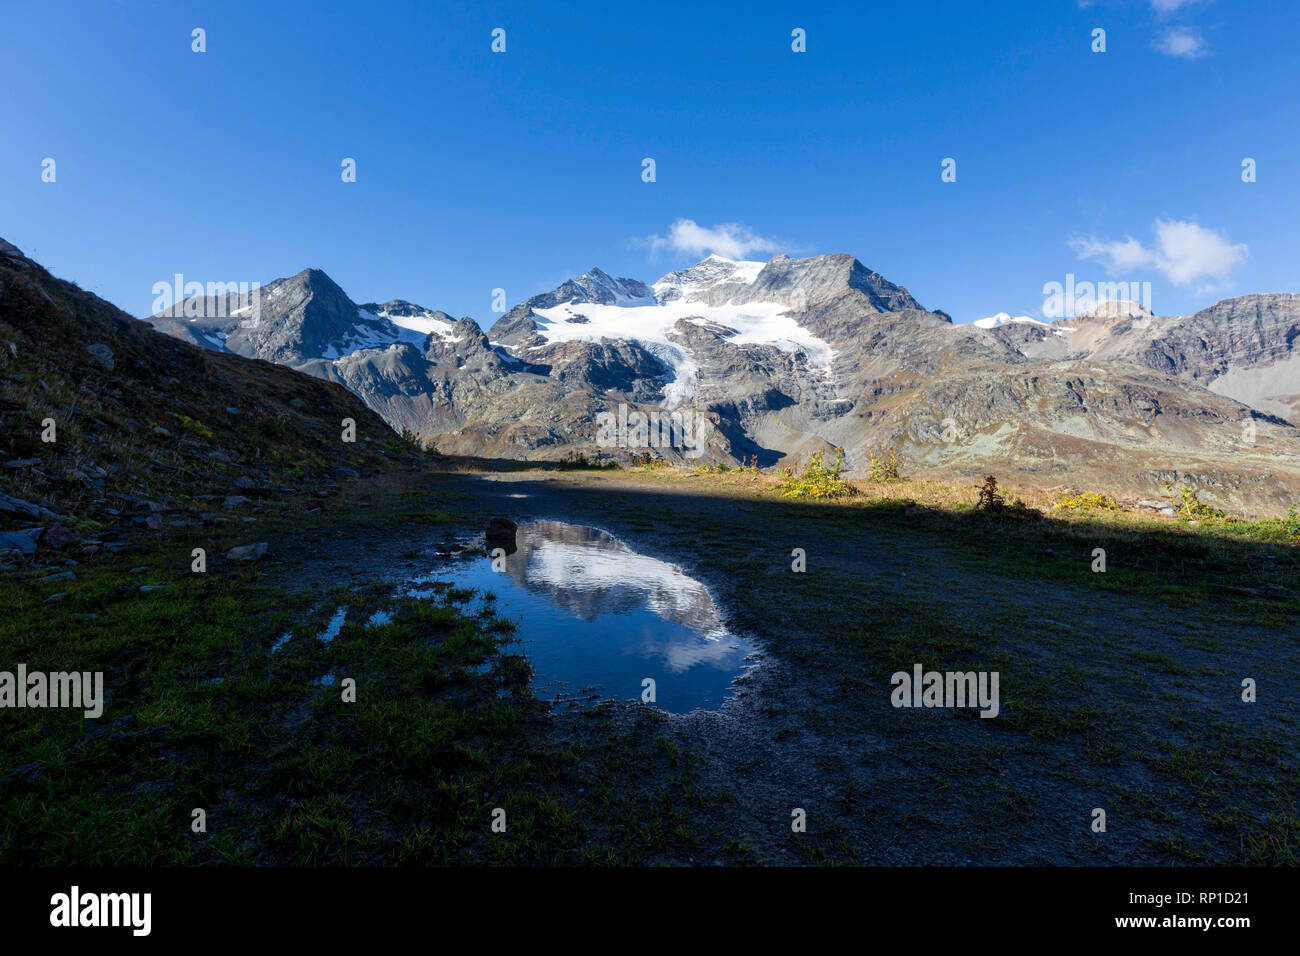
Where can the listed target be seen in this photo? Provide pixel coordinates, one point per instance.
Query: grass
(444, 729)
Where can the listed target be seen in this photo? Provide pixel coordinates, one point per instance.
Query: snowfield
(651, 325)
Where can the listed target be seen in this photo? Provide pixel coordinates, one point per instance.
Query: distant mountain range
(793, 356)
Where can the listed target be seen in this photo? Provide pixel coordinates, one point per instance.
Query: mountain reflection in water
(593, 612)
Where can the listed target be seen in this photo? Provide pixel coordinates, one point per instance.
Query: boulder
(501, 534)
(102, 354)
(247, 552)
(17, 508)
(59, 537)
(23, 542)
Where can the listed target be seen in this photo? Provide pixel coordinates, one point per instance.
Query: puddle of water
(591, 612)
(334, 626)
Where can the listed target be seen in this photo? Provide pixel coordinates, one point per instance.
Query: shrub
(818, 480)
(579, 459)
(1189, 504)
(990, 498)
(1292, 522)
(992, 501)
(276, 426)
(647, 460)
(197, 427)
(1089, 501)
(884, 470)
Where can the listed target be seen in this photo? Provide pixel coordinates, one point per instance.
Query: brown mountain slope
(150, 432)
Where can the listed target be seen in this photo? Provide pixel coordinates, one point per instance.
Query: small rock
(234, 501)
(345, 472)
(161, 432)
(247, 552)
(22, 462)
(154, 522)
(55, 597)
(101, 354)
(60, 576)
(150, 588)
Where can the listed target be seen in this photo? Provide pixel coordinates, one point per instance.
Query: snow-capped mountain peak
(1003, 318)
(688, 285)
(600, 287)
(413, 322)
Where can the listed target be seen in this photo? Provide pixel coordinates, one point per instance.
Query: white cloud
(733, 240)
(1185, 42)
(1189, 252)
(1118, 256)
(1166, 7)
(1184, 252)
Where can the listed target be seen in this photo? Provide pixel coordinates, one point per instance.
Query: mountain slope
(294, 320)
(1246, 348)
(150, 432)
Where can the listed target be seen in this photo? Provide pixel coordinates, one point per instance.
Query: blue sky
(478, 170)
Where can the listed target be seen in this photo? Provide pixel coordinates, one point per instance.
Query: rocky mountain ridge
(793, 356)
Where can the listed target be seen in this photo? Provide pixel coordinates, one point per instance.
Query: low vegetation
(992, 501)
(1088, 501)
(1188, 503)
(818, 480)
(883, 470)
(224, 698)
